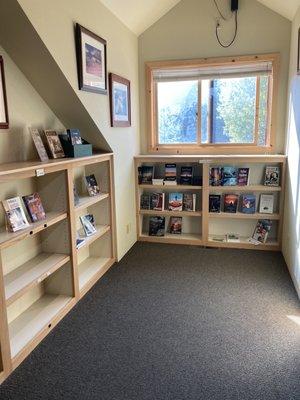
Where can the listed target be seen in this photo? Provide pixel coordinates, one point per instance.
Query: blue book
(175, 201)
(248, 204)
(229, 176)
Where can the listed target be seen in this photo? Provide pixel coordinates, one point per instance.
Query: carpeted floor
(173, 323)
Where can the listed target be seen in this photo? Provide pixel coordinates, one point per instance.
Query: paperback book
(80, 241)
(189, 202)
(39, 145)
(266, 204)
(92, 185)
(15, 215)
(170, 172)
(145, 202)
(272, 176)
(157, 201)
(262, 230)
(176, 225)
(146, 174)
(186, 175)
(248, 205)
(175, 201)
(243, 177)
(229, 176)
(215, 176)
(157, 226)
(74, 136)
(87, 224)
(54, 144)
(157, 181)
(231, 203)
(34, 206)
(214, 203)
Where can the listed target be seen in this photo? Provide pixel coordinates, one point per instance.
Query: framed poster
(120, 108)
(91, 61)
(3, 100)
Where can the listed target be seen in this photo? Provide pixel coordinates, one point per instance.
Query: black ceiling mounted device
(234, 12)
(234, 5)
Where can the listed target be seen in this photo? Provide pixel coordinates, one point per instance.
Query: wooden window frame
(213, 148)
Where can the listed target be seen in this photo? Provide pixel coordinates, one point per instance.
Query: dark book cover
(157, 226)
(197, 181)
(176, 225)
(76, 196)
(170, 172)
(248, 205)
(272, 176)
(231, 203)
(215, 176)
(147, 173)
(145, 202)
(156, 202)
(140, 175)
(214, 203)
(74, 136)
(229, 176)
(186, 175)
(189, 200)
(34, 207)
(243, 176)
(92, 185)
(262, 230)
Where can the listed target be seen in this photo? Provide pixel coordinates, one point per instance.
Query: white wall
(188, 31)
(291, 231)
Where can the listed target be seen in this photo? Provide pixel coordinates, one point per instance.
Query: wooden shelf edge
(245, 245)
(170, 187)
(90, 200)
(239, 215)
(101, 230)
(172, 213)
(246, 188)
(173, 239)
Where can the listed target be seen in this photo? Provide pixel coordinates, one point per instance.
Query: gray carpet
(173, 323)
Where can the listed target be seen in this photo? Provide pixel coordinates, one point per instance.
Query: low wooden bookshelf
(42, 273)
(206, 225)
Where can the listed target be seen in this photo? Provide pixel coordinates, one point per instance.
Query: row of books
(259, 236)
(16, 218)
(245, 203)
(232, 176)
(157, 226)
(146, 176)
(88, 229)
(91, 185)
(176, 201)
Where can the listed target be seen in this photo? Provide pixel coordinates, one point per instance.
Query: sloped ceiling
(140, 15)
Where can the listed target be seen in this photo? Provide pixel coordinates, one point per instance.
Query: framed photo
(120, 108)
(298, 56)
(91, 61)
(54, 144)
(3, 100)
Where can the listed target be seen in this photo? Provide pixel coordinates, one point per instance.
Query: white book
(233, 238)
(266, 204)
(170, 183)
(157, 181)
(15, 214)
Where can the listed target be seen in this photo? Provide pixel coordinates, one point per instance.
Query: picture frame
(4, 122)
(120, 101)
(91, 60)
(298, 54)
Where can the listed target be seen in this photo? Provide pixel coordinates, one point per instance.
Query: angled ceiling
(140, 15)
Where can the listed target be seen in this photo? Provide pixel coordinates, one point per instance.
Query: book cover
(189, 202)
(231, 203)
(170, 172)
(14, 213)
(176, 225)
(248, 205)
(243, 176)
(262, 230)
(39, 145)
(87, 225)
(34, 207)
(215, 176)
(92, 185)
(266, 204)
(157, 226)
(214, 203)
(229, 176)
(186, 175)
(54, 144)
(80, 241)
(157, 181)
(76, 196)
(175, 201)
(272, 176)
(157, 201)
(145, 202)
(147, 173)
(74, 136)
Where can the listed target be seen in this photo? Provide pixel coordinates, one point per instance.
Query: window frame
(212, 148)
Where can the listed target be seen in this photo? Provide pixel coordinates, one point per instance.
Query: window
(220, 104)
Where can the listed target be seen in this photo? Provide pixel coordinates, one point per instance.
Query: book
(170, 183)
(14, 213)
(186, 175)
(231, 203)
(88, 227)
(243, 176)
(233, 238)
(272, 176)
(262, 230)
(229, 176)
(157, 201)
(74, 136)
(215, 176)
(266, 204)
(176, 225)
(170, 172)
(39, 145)
(76, 196)
(92, 185)
(145, 202)
(214, 203)
(157, 226)
(157, 181)
(80, 241)
(197, 181)
(146, 174)
(248, 204)
(189, 202)
(175, 201)
(34, 207)
(54, 144)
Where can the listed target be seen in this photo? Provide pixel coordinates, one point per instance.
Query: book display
(176, 225)
(54, 144)
(157, 226)
(54, 266)
(248, 203)
(92, 185)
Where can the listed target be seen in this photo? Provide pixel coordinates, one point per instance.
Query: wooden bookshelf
(213, 224)
(42, 274)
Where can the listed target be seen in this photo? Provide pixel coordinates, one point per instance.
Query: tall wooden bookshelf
(42, 273)
(206, 226)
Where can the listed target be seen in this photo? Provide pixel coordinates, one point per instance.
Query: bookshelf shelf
(184, 238)
(31, 274)
(239, 215)
(88, 201)
(245, 244)
(171, 187)
(248, 188)
(172, 213)
(90, 268)
(101, 230)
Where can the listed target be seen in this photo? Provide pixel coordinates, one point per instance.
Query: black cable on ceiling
(235, 33)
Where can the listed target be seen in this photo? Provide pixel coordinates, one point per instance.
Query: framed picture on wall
(91, 61)
(298, 56)
(3, 100)
(120, 108)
